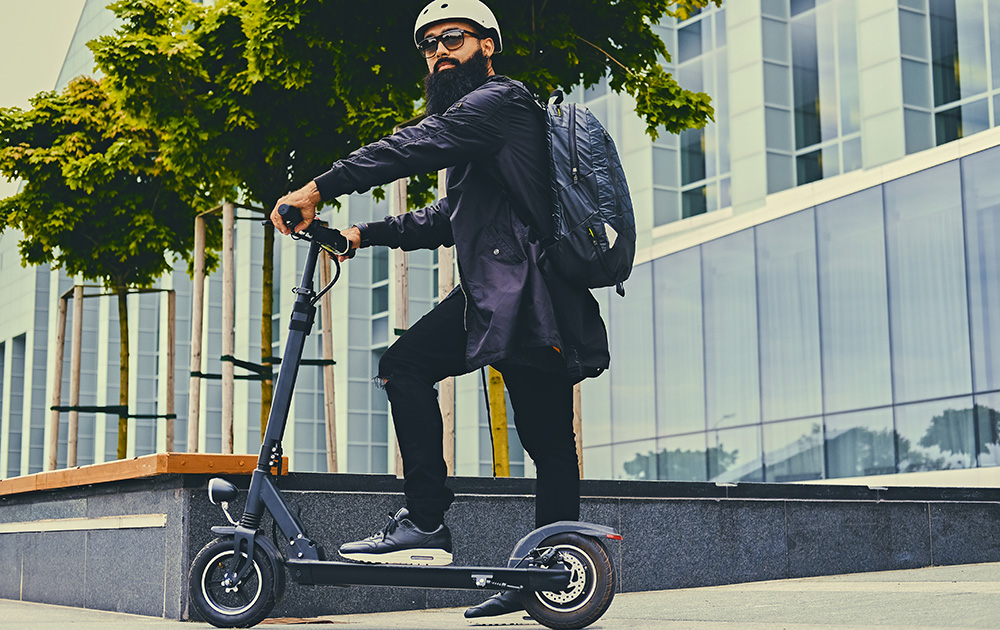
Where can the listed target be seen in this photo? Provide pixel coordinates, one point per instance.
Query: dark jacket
(493, 143)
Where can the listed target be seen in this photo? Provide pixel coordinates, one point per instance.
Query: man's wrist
(311, 190)
(364, 233)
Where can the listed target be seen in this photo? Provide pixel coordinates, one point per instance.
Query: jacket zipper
(574, 159)
(465, 308)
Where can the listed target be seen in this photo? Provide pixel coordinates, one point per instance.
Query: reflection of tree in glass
(950, 431)
(680, 464)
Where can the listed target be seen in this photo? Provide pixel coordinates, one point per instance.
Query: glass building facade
(813, 297)
(849, 338)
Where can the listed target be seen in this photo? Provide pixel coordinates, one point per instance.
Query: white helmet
(466, 10)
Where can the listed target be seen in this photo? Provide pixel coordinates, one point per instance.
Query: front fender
(535, 537)
(273, 555)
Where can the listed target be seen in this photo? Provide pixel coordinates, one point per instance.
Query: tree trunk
(123, 371)
(266, 313)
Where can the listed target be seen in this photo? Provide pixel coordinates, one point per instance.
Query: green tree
(97, 200)
(259, 96)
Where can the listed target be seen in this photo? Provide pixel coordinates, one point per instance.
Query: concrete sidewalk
(965, 596)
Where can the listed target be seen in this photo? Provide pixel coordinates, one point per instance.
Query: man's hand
(305, 199)
(353, 236)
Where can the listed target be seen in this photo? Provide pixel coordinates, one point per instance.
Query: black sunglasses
(452, 40)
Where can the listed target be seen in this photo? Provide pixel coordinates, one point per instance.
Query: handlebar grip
(291, 215)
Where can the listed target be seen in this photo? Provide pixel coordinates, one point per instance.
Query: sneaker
(500, 604)
(402, 542)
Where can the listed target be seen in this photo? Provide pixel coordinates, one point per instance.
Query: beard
(443, 88)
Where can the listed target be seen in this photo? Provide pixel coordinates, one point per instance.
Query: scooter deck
(351, 573)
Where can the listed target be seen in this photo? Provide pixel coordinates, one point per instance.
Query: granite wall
(675, 535)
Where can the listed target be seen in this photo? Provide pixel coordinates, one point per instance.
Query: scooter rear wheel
(242, 605)
(590, 590)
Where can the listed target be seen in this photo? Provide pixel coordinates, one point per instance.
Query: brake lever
(329, 239)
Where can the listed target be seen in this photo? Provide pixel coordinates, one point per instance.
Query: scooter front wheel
(590, 590)
(239, 605)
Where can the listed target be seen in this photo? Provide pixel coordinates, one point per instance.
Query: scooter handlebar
(292, 216)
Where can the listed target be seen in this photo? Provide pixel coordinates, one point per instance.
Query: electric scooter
(561, 571)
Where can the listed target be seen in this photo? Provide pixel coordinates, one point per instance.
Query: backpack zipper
(614, 176)
(574, 159)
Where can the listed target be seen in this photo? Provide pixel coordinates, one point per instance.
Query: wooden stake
(402, 286)
(228, 323)
(74, 376)
(498, 424)
(197, 318)
(446, 389)
(57, 373)
(578, 424)
(329, 406)
(171, 343)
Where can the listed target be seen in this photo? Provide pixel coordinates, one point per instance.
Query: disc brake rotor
(577, 581)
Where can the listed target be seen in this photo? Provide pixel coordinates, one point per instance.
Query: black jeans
(433, 349)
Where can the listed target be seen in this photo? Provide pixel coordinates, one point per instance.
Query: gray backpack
(593, 242)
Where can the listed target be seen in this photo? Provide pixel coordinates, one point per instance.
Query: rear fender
(534, 538)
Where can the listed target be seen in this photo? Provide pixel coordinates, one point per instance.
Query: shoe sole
(426, 557)
(517, 618)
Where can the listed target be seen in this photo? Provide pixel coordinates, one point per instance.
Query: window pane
(929, 325)
(853, 305)
(693, 202)
(800, 6)
(734, 455)
(805, 81)
(777, 8)
(665, 206)
(944, 51)
(682, 458)
(847, 52)
(830, 160)
(971, 47)
(793, 451)
(635, 460)
(916, 84)
(913, 34)
(680, 368)
(777, 85)
(994, 20)
(380, 264)
(598, 462)
(778, 128)
(689, 42)
(731, 365)
(775, 36)
(918, 129)
(962, 121)
(988, 429)
(860, 444)
(852, 155)
(780, 173)
(789, 318)
(692, 156)
(665, 167)
(632, 383)
(380, 298)
(809, 167)
(982, 220)
(936, 435)
(826, 59)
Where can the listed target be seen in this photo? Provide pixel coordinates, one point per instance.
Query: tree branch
(606, 54)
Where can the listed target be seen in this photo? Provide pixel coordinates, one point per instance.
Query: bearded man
(508, 311)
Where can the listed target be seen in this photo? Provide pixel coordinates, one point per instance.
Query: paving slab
(936, 598)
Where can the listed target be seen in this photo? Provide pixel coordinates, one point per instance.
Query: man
(508, 310)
